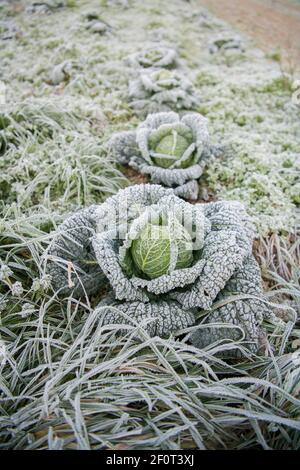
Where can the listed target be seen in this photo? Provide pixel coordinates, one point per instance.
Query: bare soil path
(274, 24)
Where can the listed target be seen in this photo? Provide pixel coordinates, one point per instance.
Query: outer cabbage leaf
(157, 318)
(70, 260)
(232, 308)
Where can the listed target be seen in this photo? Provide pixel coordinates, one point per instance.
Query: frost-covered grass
(66, 381)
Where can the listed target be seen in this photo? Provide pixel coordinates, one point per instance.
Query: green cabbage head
(172, 147)
(159, 249)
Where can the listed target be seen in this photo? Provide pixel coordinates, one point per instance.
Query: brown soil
(273, 24)
(134, 176)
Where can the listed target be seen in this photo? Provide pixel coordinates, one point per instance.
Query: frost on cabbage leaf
(172, 150)
(167, 262)
(70, 260)
(161, 90)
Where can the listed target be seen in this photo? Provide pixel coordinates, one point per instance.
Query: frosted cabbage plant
(167, 261)
(161, 90)
(226, 41)
(95, 24)
(154, 57)
(172, 150)
(46, 6)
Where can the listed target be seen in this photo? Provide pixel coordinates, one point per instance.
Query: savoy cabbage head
(153, 57)
(167, 262)
(172, 150)
(161, 90)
